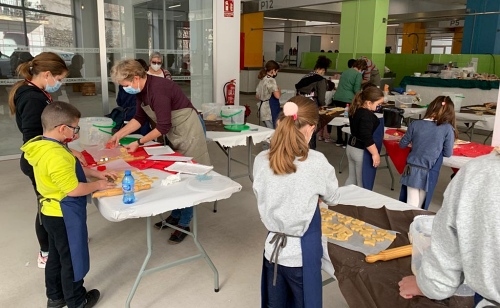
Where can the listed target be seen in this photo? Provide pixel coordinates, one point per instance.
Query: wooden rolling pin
(118, 191)
(127, 159)
(389, 254)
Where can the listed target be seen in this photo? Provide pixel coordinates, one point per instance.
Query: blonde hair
(46, 61)
(288, 142)
(442, 110)
(126, 70)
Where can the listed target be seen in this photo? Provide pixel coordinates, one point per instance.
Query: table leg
(250, 160)
(342, 159)
(228, 151)
(215, 206)
(144, 272)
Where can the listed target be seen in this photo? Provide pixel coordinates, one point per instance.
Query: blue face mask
(131, 90)
(55, 87)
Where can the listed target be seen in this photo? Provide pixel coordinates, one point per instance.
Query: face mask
(275, 75)
(54, 88)
(131, 90)
(156, 67)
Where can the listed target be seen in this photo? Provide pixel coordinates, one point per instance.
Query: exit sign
(454, 23)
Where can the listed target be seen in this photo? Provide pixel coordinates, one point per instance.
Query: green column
(363, 31)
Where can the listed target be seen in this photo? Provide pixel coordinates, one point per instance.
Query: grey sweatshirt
(465, 241)
(287, 202)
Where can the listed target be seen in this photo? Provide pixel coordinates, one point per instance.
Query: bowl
(417, 74)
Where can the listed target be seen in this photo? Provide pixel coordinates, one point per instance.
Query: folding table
(160, 199)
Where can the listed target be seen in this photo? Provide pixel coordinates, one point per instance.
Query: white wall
(226, 49)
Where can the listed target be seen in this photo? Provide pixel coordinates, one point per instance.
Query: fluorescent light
(275, 18)
(172, 6)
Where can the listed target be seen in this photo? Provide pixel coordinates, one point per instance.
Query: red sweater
(163, 96)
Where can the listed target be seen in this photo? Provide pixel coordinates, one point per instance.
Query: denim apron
(432, 179)
(274, 105)
(312, 251)
(368, 172)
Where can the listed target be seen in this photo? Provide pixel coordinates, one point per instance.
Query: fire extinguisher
(230, 92)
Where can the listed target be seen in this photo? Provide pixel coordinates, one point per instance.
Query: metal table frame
(202, 254)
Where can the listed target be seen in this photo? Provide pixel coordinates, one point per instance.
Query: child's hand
(106, 175)
(79, 156)
(104, 184)
(376, 160)
(408, 287)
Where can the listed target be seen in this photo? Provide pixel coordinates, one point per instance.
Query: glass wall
(180, 30)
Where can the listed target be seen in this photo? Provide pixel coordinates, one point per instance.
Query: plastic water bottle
(128, 188)
(346, 111)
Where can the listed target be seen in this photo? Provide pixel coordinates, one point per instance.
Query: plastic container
(95, 131)
(420, 237)
(232, 115)
(393, 116)
(128, 186)
(404, 101)
(457, 101)
(346, 111)
(211, 111)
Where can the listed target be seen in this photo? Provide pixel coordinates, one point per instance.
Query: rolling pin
(390, 254)
(127, 159)
(118, 191)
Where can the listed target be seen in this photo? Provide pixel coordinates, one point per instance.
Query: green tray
(237, 127)
(127, 140)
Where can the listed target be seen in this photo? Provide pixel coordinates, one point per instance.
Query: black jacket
(313, 83)
(30, 102)
(363, 124)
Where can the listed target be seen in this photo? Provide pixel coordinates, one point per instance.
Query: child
(363, 124)
(431, 139)
(465, 238)
(293, 249)
(268, 93)
(61, 182)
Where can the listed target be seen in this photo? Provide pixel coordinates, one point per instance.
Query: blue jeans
(184, 216)
(288, 288)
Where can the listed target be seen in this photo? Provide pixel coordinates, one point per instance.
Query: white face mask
(156, 67)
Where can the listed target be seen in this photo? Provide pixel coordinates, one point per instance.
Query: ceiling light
(275, 18)
(172, 6)
(331, 40)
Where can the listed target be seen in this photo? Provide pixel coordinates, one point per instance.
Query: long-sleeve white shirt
(287, 202)
(465, 240)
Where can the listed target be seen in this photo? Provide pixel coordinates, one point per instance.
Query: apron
(312, 252)
(368, 172)
(432, 179)
(274, 105)
(186, 134)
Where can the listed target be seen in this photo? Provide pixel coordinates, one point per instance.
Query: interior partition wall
(91, 35)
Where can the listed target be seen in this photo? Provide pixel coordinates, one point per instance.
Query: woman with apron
(163, 101)
(291, 271)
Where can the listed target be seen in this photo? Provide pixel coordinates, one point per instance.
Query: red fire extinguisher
(230, 92)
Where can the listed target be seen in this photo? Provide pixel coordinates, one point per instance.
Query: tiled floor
(233, 237)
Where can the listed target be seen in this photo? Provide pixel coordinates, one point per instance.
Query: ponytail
(262, 73)
(288, 142)
(23, 70)
(369, 93)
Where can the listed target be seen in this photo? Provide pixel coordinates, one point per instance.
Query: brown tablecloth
(376, 285)
(325, 119)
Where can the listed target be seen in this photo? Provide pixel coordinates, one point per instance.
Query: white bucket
(95, 131)
(211, 111)
(457, 101)
(232, 115)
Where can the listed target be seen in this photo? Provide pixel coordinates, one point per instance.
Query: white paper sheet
(189, 168)
(170, 158)
(159, 150)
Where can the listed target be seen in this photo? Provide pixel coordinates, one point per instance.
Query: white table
(160, 199)
(472, 96)
(228, 140)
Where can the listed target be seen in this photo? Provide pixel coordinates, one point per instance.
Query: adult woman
(314, 85)
(164, 103)
(363, 126)
(268, 93)
(27, 99)
(155, 69)
(349, 85)
(291, 271)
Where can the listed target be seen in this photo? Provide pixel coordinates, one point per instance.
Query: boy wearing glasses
(61, 182)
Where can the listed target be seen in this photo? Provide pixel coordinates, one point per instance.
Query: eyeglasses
(154, 62)
(76, 129)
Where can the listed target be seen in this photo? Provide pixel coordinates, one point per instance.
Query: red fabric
(139, 164)
(399, 156)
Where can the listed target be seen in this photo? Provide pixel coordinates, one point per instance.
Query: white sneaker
(42, 261)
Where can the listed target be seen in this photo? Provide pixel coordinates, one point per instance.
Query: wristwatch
(139, 142)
